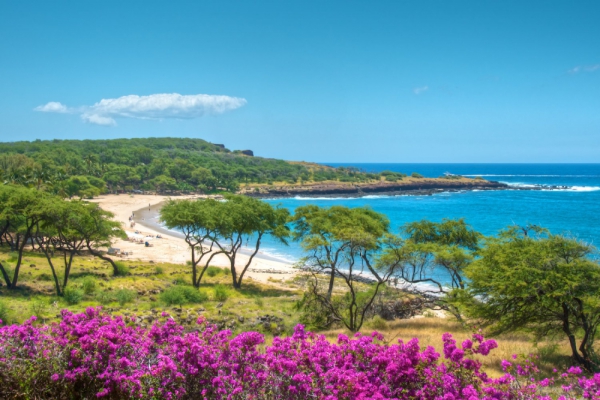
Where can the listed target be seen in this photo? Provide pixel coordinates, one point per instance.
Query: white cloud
(420, 90)
(154, 106)
(98, 119)
(53, 106)
(584, 68)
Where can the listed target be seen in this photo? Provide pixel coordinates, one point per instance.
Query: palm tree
(91, 160)
(39, 177)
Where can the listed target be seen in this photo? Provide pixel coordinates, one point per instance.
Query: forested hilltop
(88, 167)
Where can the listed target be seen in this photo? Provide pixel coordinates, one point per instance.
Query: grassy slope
(239, 312)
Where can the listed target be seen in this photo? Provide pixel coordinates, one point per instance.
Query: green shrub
(4, 313)
(72, 295)
(180, 295)
(125, 296)
(378, 323)
(220, 293)
(159, 270)
(180, 281)
(89, 285)
(122, 269)
(213, 271)
(173, 295)
(38, 307)
(105, 297)
(194, 295)
(416, 175)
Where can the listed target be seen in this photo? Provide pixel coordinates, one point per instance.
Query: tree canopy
(55, 225)
(341, 242)
(544, 283)
(225, 227)
(430, 258)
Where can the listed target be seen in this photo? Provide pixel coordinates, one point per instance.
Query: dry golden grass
(429, 331)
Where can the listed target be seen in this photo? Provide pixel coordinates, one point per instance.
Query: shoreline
(148, 218)
(410, 186)
(172, 248)
(416, 188)
(423, 192)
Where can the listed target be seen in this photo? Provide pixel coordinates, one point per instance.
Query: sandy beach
(171, 247)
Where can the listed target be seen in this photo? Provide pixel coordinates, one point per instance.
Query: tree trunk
(67, 267)
(195, 282)
(588, 337)
(20, 258)
(49, 258)
(250, 259)
(5, 275)
(331, 282)
(236, 284)
(96, 253)
(572, 341)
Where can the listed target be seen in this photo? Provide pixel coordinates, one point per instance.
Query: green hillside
(88, 167)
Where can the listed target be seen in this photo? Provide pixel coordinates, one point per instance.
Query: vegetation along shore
(100, 299)
(87, 168)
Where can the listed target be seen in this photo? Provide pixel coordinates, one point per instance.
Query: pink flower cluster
(95, 354)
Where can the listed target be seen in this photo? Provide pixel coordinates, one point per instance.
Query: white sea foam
(320, 198)
(371, 196)
(576, 189)
(551, 188)
(538, 176)
(521, 184)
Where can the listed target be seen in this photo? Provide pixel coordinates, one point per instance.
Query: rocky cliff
(339, 189)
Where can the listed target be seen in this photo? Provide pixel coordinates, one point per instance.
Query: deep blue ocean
(574, 211)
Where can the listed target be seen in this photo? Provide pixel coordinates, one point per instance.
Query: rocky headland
(423, 186)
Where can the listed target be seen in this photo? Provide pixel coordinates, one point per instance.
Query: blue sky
(370, 81)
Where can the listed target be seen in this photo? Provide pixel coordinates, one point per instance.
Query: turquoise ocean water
(574, 211)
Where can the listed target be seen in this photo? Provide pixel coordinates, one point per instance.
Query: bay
(572, 211)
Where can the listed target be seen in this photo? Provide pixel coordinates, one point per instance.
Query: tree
(57, 231)
(204, 179)
(97, 229)
(163, 183)
(342, 243)
(20, 212)
(81, 186)
(431, 259)
(244, 221)
(540, 282)
(197, 219)
(214, 227)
